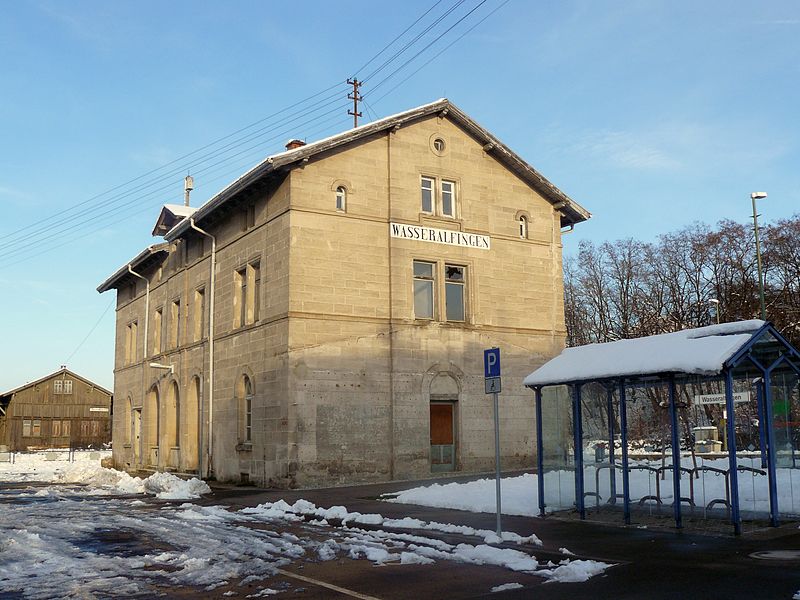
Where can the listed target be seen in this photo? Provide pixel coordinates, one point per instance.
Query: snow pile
(164, 486)
(574, 571)
(506, 586)
(303, 508)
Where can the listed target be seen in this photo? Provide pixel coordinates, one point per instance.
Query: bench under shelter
(701, 423)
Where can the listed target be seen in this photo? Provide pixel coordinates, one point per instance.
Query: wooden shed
(61, 410)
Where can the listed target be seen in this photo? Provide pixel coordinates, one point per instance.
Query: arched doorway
(443, 422)
(150, 446)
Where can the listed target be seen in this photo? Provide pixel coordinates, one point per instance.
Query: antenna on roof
(188, 186)
(355, 97)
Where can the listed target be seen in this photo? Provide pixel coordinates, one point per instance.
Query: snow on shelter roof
(701, 351)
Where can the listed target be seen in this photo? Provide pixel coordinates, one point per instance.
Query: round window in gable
(438, 145)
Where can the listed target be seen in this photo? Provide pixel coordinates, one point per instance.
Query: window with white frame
(67, 386)
(523, 227)
(438, 196)
(58, 387)
(341, 198)
(427, 187)
(424, 286)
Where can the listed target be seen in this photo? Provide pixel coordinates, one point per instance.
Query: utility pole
(355, 97)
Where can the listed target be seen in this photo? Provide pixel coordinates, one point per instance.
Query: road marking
(330, 586)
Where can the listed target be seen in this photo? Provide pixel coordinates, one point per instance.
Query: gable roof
(701, 351)
(570, 210)
(62, 371)
(170, 215)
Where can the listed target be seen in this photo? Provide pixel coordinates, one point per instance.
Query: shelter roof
(61, 371)
(701, 351)
(571, 211)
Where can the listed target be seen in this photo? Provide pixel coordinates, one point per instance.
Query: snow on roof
(179, 210)
(701, 351)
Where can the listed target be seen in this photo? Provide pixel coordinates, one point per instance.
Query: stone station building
(322, 319)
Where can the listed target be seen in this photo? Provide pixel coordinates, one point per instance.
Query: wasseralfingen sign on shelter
(439, 236)
(738, 397)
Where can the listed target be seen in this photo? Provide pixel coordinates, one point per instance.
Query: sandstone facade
(324, 370)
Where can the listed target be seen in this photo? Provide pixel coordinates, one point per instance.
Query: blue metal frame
(612, 483)
(790, 356)
(577, 430)
(733, 471)
(763, 422)
(623, 426)
(539, 449)
(676, 455)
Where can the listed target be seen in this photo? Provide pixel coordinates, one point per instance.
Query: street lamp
(759, 196)
(715, 302)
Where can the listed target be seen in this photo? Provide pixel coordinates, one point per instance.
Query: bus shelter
(702, 423)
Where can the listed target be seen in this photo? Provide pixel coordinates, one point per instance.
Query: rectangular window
(249, 217)
(247, 292)
(158, 324)
(26, 428)
(424, 280)
(199, 314)
(67, 386)
(248, 415)
(84, 429)
(130, 342)
(448, 198)
(36, 428)
(95, 428)
(454, 292)
(427, 194)
(174, 323)
(58, 387)
(56, 429)
(65, 428)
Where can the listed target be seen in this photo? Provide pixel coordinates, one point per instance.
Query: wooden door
(442, 437)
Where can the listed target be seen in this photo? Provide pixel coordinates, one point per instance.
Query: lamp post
(759, 196)
(715, 302)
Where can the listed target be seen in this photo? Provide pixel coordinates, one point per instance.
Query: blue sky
(652, 114)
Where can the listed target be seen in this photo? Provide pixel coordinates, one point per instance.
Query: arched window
(523, 227)
(245, 395)
(341, 198)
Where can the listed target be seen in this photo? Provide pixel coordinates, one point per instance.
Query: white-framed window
(523, 227)
(427, 186)
(68, 386)
(438, 196)
(341, 198)
(448, 196)
(454, 284)
(424, 289)
(58, 387)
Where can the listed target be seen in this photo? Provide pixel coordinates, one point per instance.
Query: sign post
(492, 385)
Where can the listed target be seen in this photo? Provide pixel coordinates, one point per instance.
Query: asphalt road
(650, 563)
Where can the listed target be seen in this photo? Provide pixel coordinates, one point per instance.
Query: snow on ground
(520, 494)
(83, 468)
(83, 535)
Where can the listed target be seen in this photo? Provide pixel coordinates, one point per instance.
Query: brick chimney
(294, 143)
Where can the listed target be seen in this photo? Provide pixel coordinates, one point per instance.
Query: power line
(152, 171)
(410, 60)
(435, 56)
(115, 206)
(91, 331)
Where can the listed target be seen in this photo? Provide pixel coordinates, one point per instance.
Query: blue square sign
(491, 362)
